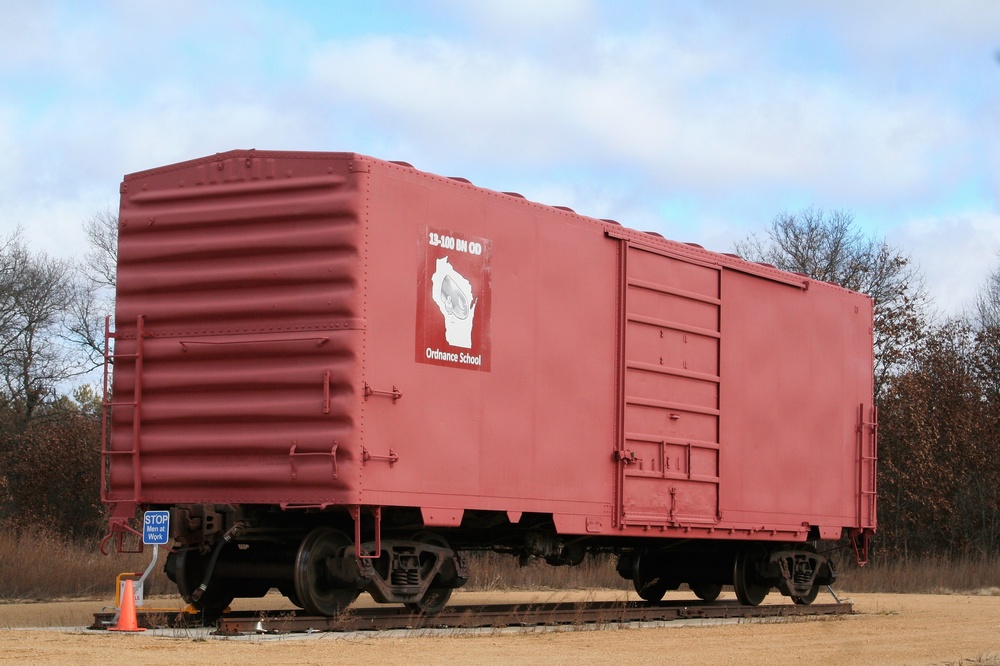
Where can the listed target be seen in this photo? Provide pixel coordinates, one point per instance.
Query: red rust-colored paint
(331, 329)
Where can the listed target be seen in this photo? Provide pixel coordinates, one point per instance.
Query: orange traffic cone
(127, 620)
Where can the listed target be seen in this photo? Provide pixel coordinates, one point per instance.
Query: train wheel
(750, 590)
(434, 599)
(806, 599)
(707, 591)
(315, 587)
(648, 580)
(188, 567)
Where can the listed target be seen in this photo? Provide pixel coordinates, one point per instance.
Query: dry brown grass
(926, 575)
(41, 567)
(492, 571)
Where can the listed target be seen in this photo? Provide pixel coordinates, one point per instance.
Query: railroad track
(481, 616)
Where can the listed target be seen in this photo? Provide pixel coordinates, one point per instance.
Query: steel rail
(565, 614)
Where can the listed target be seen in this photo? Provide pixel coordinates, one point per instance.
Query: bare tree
(986, 322)
(987, 303)
(829, 247)
(93, 290)
(824, 246)
(84, 321)
(48, 442)
(102, 258)
(34, 295)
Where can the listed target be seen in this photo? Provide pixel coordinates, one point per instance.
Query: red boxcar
(339, 373)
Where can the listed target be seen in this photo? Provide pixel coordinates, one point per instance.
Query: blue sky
(699, 120)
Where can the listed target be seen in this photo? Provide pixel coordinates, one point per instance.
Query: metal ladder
(861, 535)
(107, 403)
(867, 495)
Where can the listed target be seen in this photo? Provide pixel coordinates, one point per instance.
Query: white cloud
(53, 226)
(915, 27)
(25, 33)
(955, 253)
(10, 152)
(520, 15)
(687, 119)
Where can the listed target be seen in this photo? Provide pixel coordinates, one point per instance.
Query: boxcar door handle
(395, 393)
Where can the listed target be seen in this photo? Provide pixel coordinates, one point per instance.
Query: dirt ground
(885, 629)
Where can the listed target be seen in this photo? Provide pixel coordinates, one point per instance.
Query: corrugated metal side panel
(245, 271)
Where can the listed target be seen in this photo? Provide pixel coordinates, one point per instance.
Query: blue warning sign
(156, 528)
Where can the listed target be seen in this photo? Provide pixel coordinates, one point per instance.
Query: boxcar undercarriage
(323, 560)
